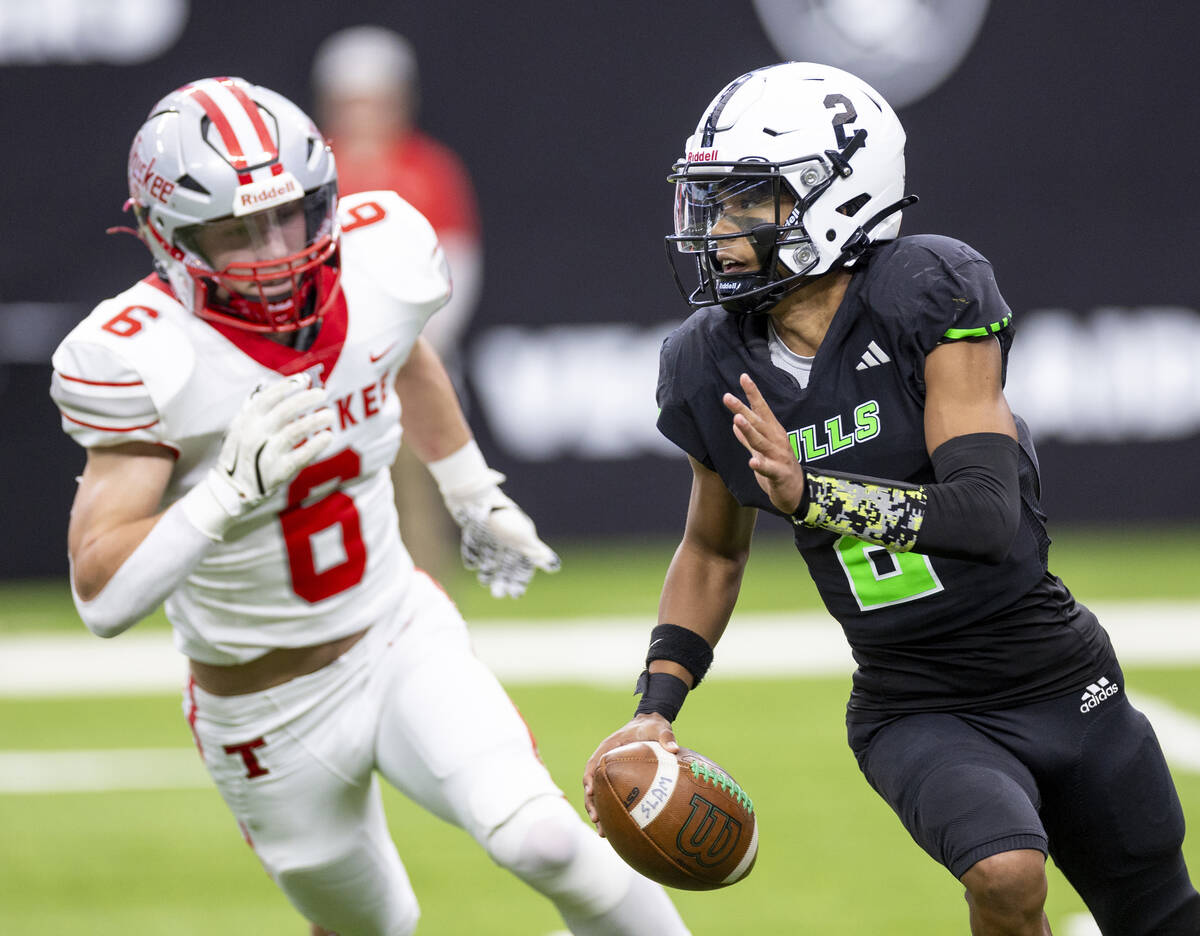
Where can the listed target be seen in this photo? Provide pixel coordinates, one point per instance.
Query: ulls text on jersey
(818, 440)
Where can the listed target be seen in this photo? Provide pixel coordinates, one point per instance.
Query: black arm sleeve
(972, 512)
(974, 509)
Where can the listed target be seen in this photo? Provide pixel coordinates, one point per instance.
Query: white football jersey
(322, 557)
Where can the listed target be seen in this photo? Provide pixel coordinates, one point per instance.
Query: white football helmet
(817, 142)
(235, 193)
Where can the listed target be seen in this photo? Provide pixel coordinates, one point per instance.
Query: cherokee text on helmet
(144, 180)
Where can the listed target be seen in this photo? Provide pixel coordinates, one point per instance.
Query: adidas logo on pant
(1096, 693)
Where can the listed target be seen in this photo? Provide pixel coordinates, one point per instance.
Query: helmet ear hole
(315, 152)
(852, 207)
(831, 235)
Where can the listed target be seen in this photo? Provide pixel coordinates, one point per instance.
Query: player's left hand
(499, 541)
(774, 463)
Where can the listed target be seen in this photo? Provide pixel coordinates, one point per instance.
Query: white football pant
(297, 766)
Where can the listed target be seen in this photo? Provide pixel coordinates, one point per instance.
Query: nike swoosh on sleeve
(382, 354)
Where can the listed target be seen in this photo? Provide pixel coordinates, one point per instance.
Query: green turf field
(833, 859)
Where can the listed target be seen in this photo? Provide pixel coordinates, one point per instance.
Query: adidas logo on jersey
(873, 357)
(1096, 693)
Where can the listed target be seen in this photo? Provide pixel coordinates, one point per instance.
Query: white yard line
(605, 651)
(1081, 924)
(102, 771)
(1178, 732)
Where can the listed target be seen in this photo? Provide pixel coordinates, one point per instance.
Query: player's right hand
(775, 466)
(647, 727)
(280, 429)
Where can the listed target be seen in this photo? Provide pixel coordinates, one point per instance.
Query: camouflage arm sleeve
(885, 513)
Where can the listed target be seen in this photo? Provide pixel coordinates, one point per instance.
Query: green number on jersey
(879, 578)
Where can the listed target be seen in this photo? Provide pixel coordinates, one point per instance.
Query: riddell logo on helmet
(252, 200)
(703, 156)
(258, 195)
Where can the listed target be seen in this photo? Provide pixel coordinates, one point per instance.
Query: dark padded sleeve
(972, 512)
(975, 507)
(942, 290)
(970, 300)
(675, 418)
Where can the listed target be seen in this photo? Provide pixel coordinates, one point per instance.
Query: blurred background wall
(1060, 139)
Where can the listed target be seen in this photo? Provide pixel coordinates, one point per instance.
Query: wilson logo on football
(709, 834)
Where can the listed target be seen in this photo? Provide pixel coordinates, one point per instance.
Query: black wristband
(797, 516)
(661, 693)
(682, 646)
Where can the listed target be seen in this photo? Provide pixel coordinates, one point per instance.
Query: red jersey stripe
(100, 383)
(80, 422)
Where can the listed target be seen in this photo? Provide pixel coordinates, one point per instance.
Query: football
(679, 819)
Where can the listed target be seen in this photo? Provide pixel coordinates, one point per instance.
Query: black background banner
(1063, 147)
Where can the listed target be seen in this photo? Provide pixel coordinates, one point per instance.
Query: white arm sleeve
(102, 399)
(161, 561)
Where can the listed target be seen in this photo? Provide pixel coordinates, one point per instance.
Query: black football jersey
(928, 633)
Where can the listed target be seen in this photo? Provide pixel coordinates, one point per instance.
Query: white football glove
(499, 541)
(272, 438)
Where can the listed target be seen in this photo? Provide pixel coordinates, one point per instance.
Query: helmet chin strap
(752, 292)
(857, 243)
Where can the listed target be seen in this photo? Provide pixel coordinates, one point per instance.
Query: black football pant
(1083, 780)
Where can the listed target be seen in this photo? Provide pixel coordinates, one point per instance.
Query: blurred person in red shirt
(365, 82)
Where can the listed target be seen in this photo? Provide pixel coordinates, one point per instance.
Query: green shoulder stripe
(953, 334)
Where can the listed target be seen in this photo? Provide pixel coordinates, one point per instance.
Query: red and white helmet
(223, 168)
